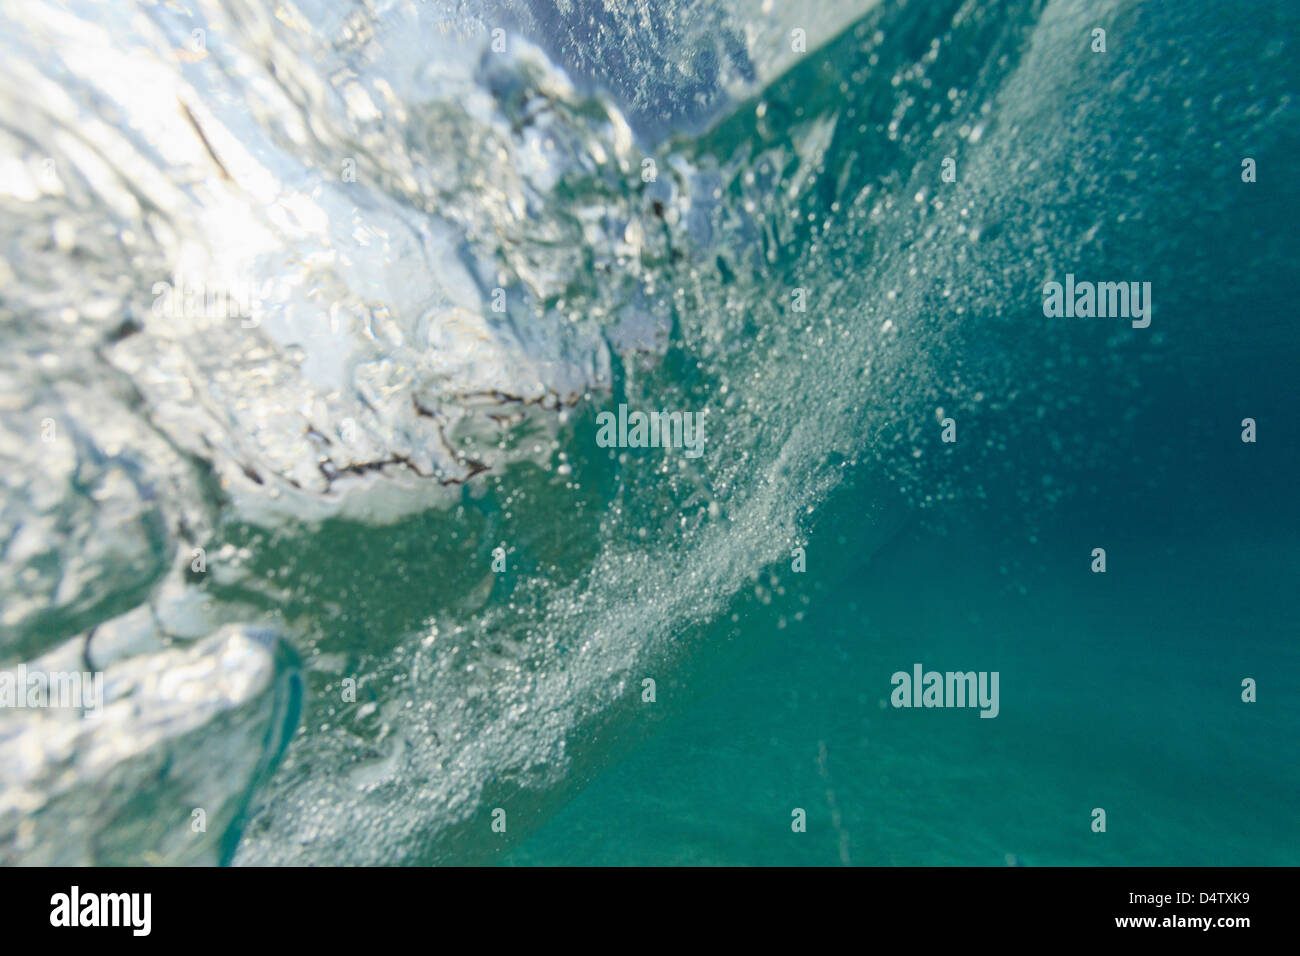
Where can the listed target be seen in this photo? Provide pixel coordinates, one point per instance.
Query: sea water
(360, 557)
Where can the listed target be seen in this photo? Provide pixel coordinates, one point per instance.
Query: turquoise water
(1120, 690)
(1116, 692)
(368, 582)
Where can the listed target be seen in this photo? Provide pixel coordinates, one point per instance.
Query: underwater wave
(310, 310)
